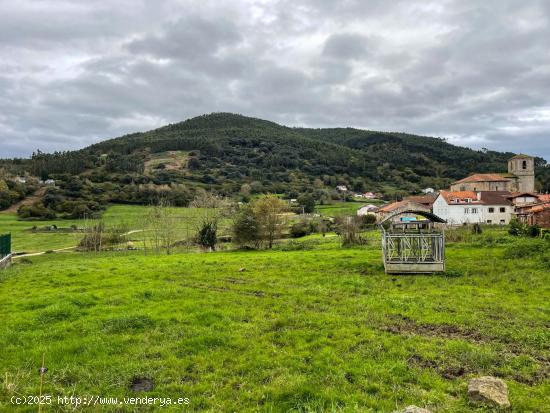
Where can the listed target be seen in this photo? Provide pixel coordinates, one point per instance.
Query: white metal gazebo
(411, 245)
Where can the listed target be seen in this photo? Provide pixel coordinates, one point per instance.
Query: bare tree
(98, 236)
(162, 227)
(349, 229)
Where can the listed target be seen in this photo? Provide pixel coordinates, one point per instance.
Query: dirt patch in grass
(449, 370)
(224, 289)
(405, 326)
(141, 384)
(445, 370)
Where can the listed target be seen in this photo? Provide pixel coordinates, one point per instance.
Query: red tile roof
(540, 207)
(485, 197)
(396, 205)
(391, 207)
(426, 200)
(483, 178)
(544, 197)
(459, 197)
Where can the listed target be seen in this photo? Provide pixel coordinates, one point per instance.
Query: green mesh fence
(5, 245)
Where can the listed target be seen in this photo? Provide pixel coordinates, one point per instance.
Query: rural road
(34, 254)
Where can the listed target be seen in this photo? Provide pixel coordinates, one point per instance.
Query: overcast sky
(76, 72)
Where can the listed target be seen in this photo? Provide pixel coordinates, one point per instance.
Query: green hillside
(241, 156)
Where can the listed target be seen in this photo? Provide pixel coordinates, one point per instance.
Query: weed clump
(128, 323)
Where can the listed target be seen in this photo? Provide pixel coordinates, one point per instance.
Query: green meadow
(307, 327)
(132, 217)
(344, 208)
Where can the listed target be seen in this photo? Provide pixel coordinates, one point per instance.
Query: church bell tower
(523, 167)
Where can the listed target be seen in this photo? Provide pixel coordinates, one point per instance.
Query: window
(489, 221)
(474, 210)
(524, 165)
(466, 210)
(491, 210)
(502, 209)
(502, 221)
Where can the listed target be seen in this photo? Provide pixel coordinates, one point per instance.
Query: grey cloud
(346, 46)
(73, 73)
(188, 38)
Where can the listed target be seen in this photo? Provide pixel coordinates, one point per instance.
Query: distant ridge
(234, 154)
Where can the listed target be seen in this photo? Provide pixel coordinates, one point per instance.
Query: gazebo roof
(431, 216)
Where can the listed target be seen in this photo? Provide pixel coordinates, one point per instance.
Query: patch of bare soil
(405, 326)
(31, 199)
(141, 384)
(444, 370)
(224, 289)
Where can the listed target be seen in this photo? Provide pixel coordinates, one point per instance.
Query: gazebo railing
(413, 248)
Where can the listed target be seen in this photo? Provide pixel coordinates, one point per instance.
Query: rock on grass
(488, 390)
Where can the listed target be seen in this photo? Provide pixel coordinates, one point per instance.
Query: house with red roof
(472, 207)
(535, 214)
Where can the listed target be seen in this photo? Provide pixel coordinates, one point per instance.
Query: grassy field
(131, 216)
(343, 208)
(320, 329)
(24, 240)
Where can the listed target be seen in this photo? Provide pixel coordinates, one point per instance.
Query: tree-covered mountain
(238, 156)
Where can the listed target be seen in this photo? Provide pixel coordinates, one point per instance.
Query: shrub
(246, 228)
(207, 236)
(477, 229)
(36, 211)
(527, 248)
(300, 229)
(307, 203)
(533, 231)
(516, 227)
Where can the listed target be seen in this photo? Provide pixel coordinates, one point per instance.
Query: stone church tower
(523, 167)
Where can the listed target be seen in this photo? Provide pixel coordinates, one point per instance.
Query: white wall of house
(472, 213)
(457, 214)
(497, 214)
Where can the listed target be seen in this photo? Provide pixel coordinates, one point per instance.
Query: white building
(469, 207)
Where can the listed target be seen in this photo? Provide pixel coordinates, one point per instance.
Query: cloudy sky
(76, 72)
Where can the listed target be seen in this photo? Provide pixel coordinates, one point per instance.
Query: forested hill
(237, 155)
